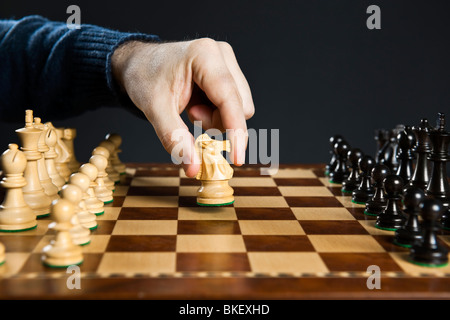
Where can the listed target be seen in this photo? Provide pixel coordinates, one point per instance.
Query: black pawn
(330, 167)
(365, 190)
(354, 179)
(341, 171)
(430, 252)
(405, 155)
(392, 217)
(421, 175)
(410, 233)
(378, 203)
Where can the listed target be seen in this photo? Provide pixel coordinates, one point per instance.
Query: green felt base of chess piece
(18, 230)
(99, 213)
(61, 267)
(215, 204)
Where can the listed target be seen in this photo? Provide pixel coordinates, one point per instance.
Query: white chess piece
(93, 204)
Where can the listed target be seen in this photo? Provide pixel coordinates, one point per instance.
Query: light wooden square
(402, 259)
(188, 191)
(305, 191)
(151, 201)
(252, 182)
(207, 213)
(137, 262)
(322, 214)
(14, 261)
(155, 182)
(145, 227)
(369, 225)
(345, 243)
(326, 182)
(347, 202)
(210, 243)
(270, 227)
(286, 262)
(260, 202)
(111, 213)
(98, 244)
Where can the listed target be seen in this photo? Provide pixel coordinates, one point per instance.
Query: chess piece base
(57, 257)
(215, 193)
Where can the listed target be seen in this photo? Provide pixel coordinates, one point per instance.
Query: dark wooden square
(138, 243)
(208, 227)
(277, 243)
(230, 262)
(332, 227)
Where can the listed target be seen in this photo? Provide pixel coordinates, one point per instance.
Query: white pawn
(62, 252)
(87, 219)
(112, 173)
(102, 151)
(80, 234)
(102, 191)
(50, 156)
(93, 204)
(15, 213)
(115, 161)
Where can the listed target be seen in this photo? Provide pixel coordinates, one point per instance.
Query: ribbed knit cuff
(92, 75)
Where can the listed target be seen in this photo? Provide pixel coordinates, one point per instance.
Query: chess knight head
(213, 165)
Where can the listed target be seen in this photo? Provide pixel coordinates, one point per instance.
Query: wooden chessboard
(288, 235)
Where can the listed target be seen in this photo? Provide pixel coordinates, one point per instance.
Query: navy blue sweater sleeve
(56, 71)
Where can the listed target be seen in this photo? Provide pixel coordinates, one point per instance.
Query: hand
(201, 76)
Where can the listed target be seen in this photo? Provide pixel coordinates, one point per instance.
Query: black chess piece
(382, 138)
(392, 217)
(429, 252)
(410, 233)
(388, 154)
(378, 203)
(421, 175)
(354, 179)
(438, 186)
(365, 190)
(405, 155)
(341, 171)
(332, 164)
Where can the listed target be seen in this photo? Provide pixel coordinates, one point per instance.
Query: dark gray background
(313, 66)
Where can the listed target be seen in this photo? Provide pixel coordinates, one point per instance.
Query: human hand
(200, 76)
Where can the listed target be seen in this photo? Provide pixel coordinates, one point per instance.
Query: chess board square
(322, 213)
(265, 202)
(137, 262)
(252, 182)
(332, 227)
(138, 213)
(141, 243)
(344, 261)
(151, 201)
(145, 227)
(326, 182)
(256, 191)
(120, 190)
(213, 262)
(270, 227)
(264, 214)
(25, 244)
(275, 262)
(189, 182)
(111, 213)
(313, 202)
(188, 191)
(299, 182)
(210, 243)
(293, 173)
(387, 242)
(14, 261)
(208, 227)
(309, 191)
(153, 191)
(358, 213)
(402, 259)
(155, 182)
(104, 227)
(337, 191)
(277, 243)
(117, 202)
(240, 173)
(345, 243)
(98, 244)
(369, 225)
(347, 202)
(206, 213)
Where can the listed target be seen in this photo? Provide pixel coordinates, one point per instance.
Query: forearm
(57, 71)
